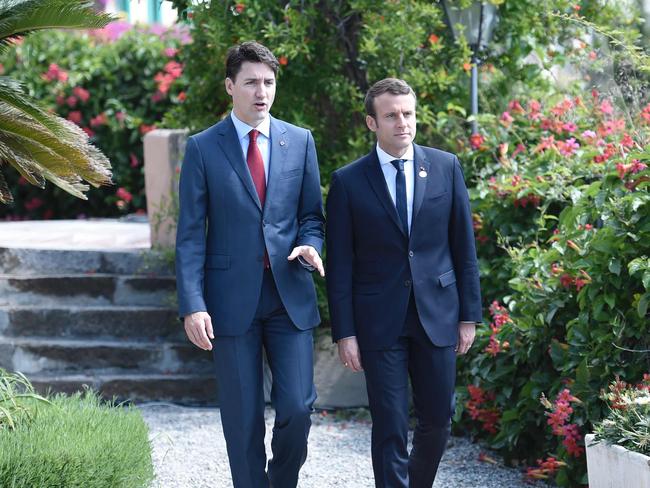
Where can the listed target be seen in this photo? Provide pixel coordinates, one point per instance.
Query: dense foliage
(37, 144)
(115, 84)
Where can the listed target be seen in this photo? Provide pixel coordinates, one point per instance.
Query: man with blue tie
(403, 284)
(250, 231)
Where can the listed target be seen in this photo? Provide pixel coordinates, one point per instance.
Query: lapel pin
(282, 143)
(422, 173)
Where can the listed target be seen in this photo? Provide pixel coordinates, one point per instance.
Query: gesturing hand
(198, 327)
(349, 353)
(310, 255)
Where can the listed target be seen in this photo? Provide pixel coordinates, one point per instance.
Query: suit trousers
(432, 372)
(239, 368)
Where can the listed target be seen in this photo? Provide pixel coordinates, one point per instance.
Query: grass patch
(76, 441)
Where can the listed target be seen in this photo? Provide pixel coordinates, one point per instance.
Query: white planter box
(612, 466)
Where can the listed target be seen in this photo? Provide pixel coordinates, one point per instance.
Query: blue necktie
(400, 193)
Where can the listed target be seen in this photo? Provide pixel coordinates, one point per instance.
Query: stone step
(90, 289)
(48, 355)
(56, 262)
(101, 322)
(188, 389)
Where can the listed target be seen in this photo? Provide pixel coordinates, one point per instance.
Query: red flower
(124, 194)
(146, 128)
(434, 39)
(571, 439)
(55, 73)
(101, 119)
(181, 97)
(283, 60)
(566, 280)
(81, 93)
(88, 131)
(476, 141)
(174, 68)
(75, 116)
(515, 107)
(239, 8)
(33, 204)
(134, 160)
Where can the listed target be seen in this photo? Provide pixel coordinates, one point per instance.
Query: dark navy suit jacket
(373, 265)
(223, 230)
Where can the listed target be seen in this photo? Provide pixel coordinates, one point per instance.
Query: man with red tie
(250, 232)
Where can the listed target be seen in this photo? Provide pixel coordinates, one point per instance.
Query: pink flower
(81, 93)
(592, 55)
(606, 107)
(88, 131)
(158, 96)
(515, 107)
(568, 147)
(71, 101)
(588, 134)
(123, 194)
(33, 204)
(570, 127)
(55, 73)
(174, 68)
(120, 116)
(519, 149)
(101, 119)
(134, 160)
(181, 97)
(506, 119)
(75, 116)
(60, 99)
(170, 52)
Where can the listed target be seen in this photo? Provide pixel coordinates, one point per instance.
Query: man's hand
(310, 255)
(198, 327)
(349, 353)
(466, 334)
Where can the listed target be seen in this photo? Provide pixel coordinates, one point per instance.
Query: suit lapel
(278, 156)
(229, 142)
(421, 166)
(378, 183)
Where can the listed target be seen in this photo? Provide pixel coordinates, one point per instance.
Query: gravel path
(189, 452)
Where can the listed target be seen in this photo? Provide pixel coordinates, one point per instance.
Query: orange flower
(467, 66)
(433, 39)
(283, 60)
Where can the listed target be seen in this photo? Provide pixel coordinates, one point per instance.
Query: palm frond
(19, 17)
(5, 194)
(74, 147)
(38, 155)
(12, 93)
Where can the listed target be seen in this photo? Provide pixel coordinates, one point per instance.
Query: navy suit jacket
(373, 265)
(223, 230)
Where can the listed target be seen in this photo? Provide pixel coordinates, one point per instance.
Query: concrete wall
(163, 154)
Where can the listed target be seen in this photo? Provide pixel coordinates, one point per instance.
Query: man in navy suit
(250, 231)
(403, 284)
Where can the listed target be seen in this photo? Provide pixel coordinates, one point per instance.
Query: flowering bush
(116, 84)
(628, 421)
(562, 219)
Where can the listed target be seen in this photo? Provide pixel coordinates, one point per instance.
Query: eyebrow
(255, 79)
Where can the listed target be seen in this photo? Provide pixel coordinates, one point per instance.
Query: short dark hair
(394, 86)
(250, 51)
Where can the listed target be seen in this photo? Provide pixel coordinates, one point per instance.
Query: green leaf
(615, 266)
(642, 307)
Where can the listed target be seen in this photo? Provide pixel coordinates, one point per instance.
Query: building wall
(143, 11)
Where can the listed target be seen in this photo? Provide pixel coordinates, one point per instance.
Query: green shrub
(562, 218)
(78, 441)
(116, 84)
(17, 399)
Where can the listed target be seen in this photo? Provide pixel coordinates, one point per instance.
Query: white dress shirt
(390, 172)
(263, 139)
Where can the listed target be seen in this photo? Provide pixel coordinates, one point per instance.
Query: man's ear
(371, 123)
(229, 84)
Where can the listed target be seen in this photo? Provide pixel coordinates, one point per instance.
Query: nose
(401, 121)
(260, 92)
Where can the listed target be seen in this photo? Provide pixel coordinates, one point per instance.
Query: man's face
(394, 122)
(252, 92)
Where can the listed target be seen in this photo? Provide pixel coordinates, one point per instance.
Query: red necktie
(256, 167)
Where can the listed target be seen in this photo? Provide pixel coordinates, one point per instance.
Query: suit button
(410, 254)
(407, 283)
